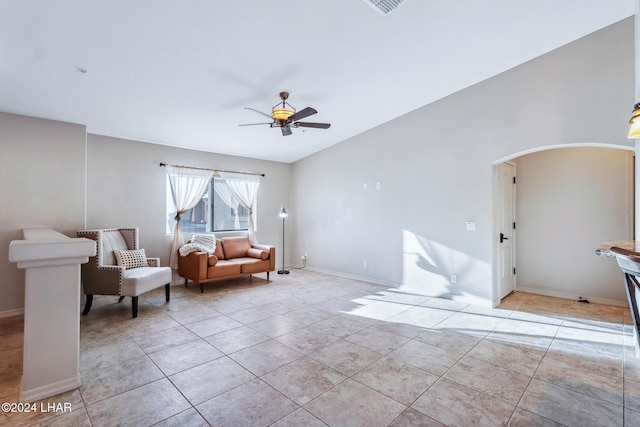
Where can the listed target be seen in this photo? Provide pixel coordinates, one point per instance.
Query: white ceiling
(180, 72)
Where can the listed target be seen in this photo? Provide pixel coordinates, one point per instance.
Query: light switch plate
(471, 226)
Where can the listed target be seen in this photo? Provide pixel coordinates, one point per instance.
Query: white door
(506, 221)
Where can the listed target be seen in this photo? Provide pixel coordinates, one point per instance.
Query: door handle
(502, 238)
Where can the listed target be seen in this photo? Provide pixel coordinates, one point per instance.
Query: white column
(51, 358)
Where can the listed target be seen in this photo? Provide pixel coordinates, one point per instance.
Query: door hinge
(514, 179)
(514, 225)
(514, 270)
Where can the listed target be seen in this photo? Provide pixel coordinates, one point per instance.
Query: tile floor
(310, 349)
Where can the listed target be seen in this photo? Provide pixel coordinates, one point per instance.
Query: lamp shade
(282, 113)
(634, 128)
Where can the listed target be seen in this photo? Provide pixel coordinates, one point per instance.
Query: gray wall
(435, 166)
(568, 201)
(54, 175)
(42, 184)
(126, 187)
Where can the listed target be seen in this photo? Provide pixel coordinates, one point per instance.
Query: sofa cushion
(142, 279)
(235, 247)
(111, 240)
(253, 265)
(212, 260)
(131, 258)
(257, 253)
(223, 268)
(219, 250)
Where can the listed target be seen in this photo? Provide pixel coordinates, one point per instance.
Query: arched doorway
(569, 199)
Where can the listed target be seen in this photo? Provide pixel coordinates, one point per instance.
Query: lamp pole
(283, 215)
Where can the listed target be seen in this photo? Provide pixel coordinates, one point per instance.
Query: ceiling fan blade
(313, 125)
(286, 131)
(305, 112)
(259, 112)
(253, 124)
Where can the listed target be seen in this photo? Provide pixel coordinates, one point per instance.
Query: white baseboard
(12, 313)
(50, 389)
(466, 299)
(564, 295)
(352, 277)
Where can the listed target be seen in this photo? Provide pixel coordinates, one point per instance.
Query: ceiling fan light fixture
(634, 129)
(286, 117)
(282, 113)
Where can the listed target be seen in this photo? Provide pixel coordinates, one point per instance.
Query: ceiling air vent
(384, 6)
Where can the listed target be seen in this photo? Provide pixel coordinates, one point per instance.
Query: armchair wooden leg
(87, 304)
(267, 276)
(202, 288)
(134, 306)
(121, 299)
(185, 282)
(167, 292)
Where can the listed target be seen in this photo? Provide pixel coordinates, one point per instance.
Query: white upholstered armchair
(121, 268)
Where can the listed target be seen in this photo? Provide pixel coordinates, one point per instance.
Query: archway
(572, 203)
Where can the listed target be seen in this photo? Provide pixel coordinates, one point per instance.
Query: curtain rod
(213, 170)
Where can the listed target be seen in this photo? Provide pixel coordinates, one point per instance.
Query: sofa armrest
(272, 254)
(193, 266)
(153, 262)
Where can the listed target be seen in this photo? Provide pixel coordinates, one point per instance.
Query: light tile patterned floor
(310, 349)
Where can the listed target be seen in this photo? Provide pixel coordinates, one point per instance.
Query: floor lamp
(283, 215)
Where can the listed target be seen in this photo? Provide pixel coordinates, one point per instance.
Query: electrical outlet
(454, 278)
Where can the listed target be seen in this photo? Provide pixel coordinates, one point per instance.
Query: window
(218, 210)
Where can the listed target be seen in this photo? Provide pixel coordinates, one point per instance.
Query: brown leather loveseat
(233, 257)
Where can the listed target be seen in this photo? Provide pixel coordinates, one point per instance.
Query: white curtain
(245, 189)
(229, 198)
(187, 188)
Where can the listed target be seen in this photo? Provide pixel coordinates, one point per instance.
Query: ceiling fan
(285, 117)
